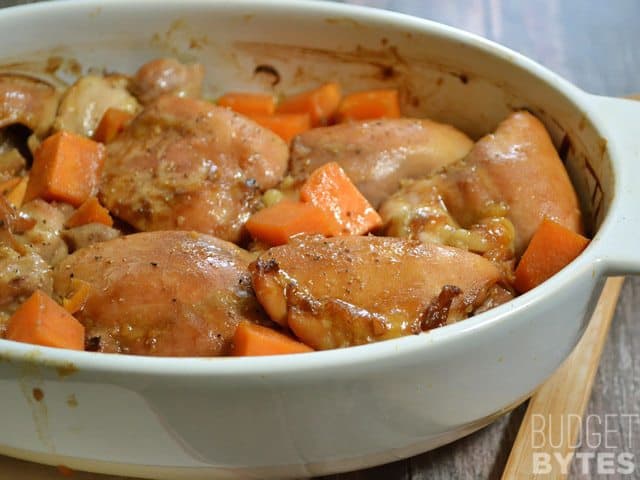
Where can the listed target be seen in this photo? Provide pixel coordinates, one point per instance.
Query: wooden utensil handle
(553, 419)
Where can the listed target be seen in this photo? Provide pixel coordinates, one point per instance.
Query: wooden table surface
(595, 45)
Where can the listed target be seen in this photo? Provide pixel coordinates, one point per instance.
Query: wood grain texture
(596, 46)
(562, 400)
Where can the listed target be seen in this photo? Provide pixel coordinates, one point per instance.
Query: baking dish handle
(618, 119)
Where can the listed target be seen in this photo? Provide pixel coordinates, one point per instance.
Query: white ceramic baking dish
(336, 410)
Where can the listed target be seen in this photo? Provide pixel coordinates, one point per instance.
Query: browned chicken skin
(492, 201)
(27, 101)
(518, 166)
(376, 155)
(347, 291)
(167, 76)
(189, 165)
(162, 293)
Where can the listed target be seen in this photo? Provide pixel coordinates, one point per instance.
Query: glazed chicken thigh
(190, 165)
(376, 155)
(348, 291)
(517, 165)
(493, 199)
(161, 293)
